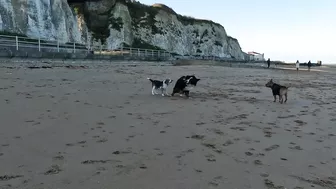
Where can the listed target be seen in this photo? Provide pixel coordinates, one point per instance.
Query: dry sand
(100, 128)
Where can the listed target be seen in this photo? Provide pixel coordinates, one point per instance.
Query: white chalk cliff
(49, 19)
(117, 22)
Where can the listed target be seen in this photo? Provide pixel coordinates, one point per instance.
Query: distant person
(309, 65)
(268, 63)
(297, 64)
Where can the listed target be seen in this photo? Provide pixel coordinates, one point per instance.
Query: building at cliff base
(255, 56)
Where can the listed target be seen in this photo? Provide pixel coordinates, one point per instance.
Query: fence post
(158, 53)
(58, 50)
(100, 48)
(131, 51)
(17, 42)
(145, 52)
(138, 52)
(122, 51)
(39, 44)
(152, 52)
(74, 47)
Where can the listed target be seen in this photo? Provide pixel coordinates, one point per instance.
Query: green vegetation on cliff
(143, 16)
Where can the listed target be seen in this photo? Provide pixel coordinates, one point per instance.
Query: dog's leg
(186, 93)
(153, 90)
(162, 91)
(274, 98)
(280, 99)
(181, 93)
(285, 97)
(174, 91)
(166, 92)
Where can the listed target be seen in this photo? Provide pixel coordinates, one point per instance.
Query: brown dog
(278, 90)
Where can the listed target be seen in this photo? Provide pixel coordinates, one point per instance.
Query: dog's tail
(150, 79)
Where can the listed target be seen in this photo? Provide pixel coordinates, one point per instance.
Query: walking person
(268, 63)
(297, 64)
(309, 65)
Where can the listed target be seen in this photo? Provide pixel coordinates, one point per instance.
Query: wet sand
(99, 127)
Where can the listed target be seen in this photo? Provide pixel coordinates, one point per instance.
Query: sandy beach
(99, 127)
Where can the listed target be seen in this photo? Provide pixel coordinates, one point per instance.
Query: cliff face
(117, 23)
(157, 26)
(50, 19)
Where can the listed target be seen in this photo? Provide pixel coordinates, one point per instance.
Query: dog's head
(269, 83)
(168, 81)
(191, 80)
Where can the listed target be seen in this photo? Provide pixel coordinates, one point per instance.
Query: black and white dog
(184, 84)
(160, 85)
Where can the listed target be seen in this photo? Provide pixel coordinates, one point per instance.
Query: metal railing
(41, 45)
(18, 42)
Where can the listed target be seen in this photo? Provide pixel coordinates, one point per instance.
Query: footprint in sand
(258, 162)
(249, 153)
(69, 144)
(238, 128)
(217, 131)
(100, 123)
(143, 166)
(102, 140)
(9, 177)
(198, 137)
(228, 143)
(273, 147)
(216, 181)
(58, 158)
(265, 175)
(198, 170)
(210, 158)
(212, 146)
(81, 142)
(200, 123)
(295, 147)
(98, 161)
(120, 152)
(300, 122)
(268, 132)
(54, 169)
(270, 184)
